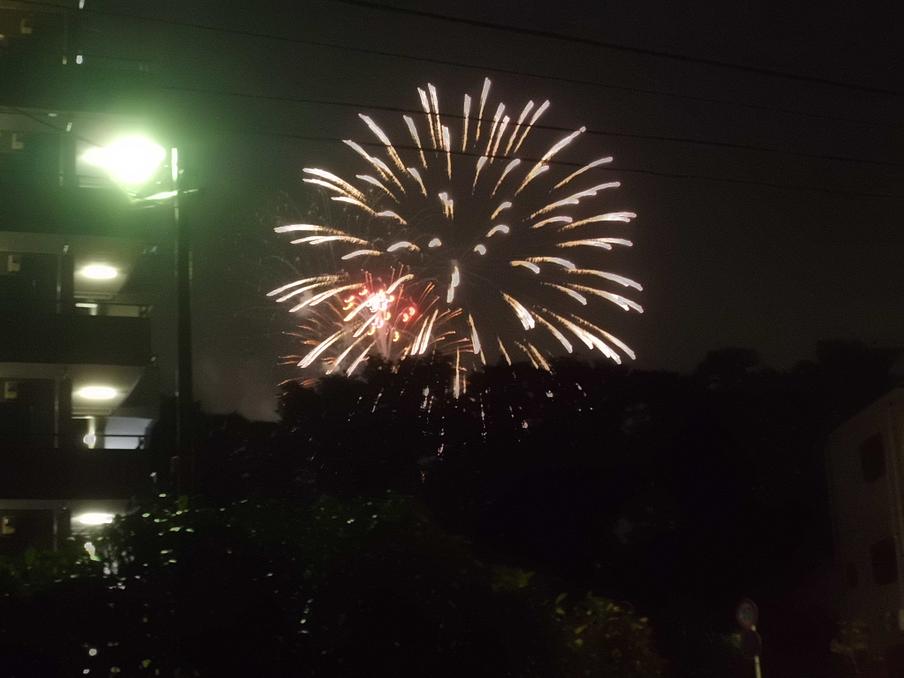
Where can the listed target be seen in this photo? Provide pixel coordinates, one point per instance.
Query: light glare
(96, 392)
(131, 160)
(93, 518)
(98, 272)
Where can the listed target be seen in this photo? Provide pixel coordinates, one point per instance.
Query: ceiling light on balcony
(93, 518)
(98, 272)
(96, 392)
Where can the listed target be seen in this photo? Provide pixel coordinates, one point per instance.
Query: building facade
(82, 271)
(866, 475)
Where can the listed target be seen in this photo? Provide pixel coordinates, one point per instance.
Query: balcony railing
(73, 474)
(107, 309)
(78, 441)
(77, 339)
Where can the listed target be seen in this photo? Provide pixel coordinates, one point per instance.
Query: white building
(866, 475)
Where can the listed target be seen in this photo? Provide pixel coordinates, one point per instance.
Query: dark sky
(722, 263)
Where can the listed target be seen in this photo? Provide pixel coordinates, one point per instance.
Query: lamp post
(132, 162)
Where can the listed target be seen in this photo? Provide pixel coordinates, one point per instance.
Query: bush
(328, 588)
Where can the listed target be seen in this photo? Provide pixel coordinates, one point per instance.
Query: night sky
(722, 263)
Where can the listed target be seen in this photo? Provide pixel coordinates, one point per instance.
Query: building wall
(866, 459)
(63, 333)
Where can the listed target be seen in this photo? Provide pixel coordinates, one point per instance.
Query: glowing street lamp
(131, 161)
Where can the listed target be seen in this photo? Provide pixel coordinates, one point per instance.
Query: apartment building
(83, 269)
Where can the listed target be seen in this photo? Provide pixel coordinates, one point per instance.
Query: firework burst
(487, 253)
(346, 322)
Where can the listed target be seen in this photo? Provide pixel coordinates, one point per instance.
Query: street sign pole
(748, 615)
(757, 665)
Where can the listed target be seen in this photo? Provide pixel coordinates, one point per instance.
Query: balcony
(43, 60)
(44, 473)
(36, 204)
(77, 339)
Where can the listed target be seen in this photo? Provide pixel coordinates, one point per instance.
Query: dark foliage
(680, 493)
(326, 588)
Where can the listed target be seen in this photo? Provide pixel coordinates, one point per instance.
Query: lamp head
(130, 160)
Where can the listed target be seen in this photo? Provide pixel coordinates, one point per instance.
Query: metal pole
(757, 666)
(184, 446)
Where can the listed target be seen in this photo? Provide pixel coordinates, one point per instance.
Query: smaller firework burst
(348, 321)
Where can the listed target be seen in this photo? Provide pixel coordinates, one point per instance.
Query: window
(13, 264)
(7, 526)
(872, 458)
(885, 566)
(10, 390)
(852, 577)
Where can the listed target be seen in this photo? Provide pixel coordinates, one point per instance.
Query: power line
(645, 51)
(596, 132)
(562, 163)
(472, 66)
(566, 163)
(556, 128)
(46, 123)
